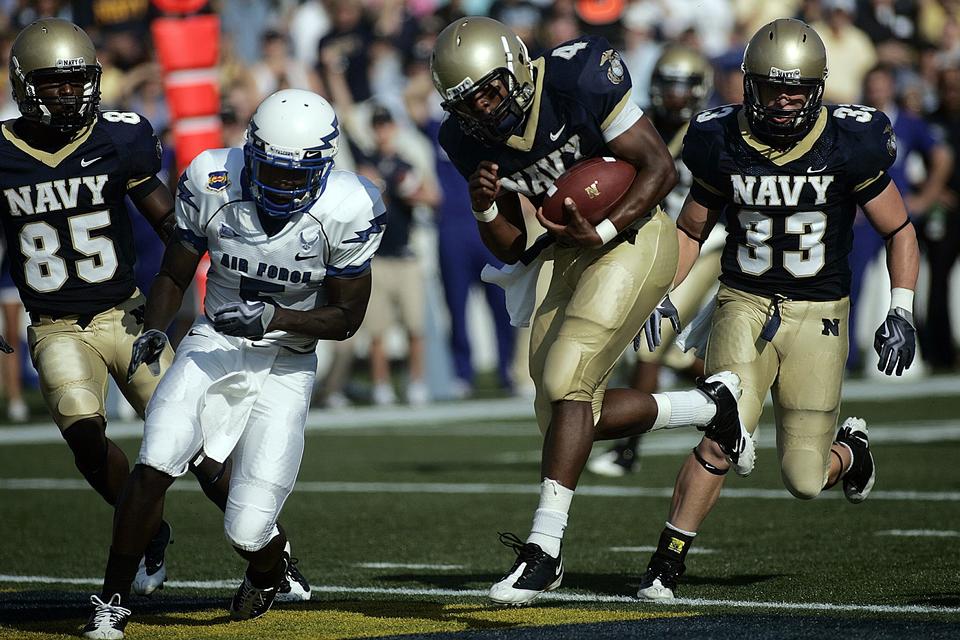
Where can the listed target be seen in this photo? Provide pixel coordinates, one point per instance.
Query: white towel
(224, 410)
(519, 284)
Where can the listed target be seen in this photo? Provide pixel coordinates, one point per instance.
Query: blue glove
(146, 350)
(896, 342)
(652, 326)
(244, 319)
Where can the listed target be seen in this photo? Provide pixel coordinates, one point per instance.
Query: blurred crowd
(370, 58)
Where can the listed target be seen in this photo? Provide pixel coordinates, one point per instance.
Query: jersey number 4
(45, 271)
(756, 257)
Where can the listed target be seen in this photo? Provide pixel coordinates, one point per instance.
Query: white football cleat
(152, 572)
(534, 572)
(108, 619)
(725, 428)
(294, 586)
(859, 478)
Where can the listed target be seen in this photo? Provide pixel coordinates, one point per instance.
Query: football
(595, 185)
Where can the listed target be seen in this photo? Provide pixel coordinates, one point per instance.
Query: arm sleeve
(876, 151)
(700, 156)
(355, 241)
(142, 153)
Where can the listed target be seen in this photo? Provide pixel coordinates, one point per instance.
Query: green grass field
(396, 528)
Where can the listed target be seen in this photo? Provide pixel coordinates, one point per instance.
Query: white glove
(244, 319)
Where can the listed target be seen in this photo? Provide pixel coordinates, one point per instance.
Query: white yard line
(918, 533)
(408, 565)
(692, 551)
(571, 597)
(367, 420)
(453, 488)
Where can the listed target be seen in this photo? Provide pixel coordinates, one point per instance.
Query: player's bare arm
(155, 203)
(501, 229)
(339, 319)
(166, 295)
(694, 224)
(888, 216)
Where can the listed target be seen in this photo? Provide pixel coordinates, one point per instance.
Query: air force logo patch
(218, 181)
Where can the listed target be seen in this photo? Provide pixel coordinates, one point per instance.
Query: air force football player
(290, 243)
(517, 125)
(65, 169)
(789, 173)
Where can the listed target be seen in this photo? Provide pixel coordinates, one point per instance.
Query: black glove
(5, 346)
(244, 319)
(652, 326)
(896, 342)
(146, 350)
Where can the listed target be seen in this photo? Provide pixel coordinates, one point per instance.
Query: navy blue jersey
(582, 100)
(789, 213)
(67, 229)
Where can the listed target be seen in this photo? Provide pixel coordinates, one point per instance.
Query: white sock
(550, 518)
(692, 534)
(682, 409)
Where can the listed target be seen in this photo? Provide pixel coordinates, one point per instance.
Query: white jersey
(336, 237)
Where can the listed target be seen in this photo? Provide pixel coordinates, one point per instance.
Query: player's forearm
(903, 259)
(163, 303)
(332, 322)
(649, 188)
(689, 252)
(504, 240)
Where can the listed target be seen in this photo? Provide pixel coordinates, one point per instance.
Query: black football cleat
(660, 580)
(152, 572)
(534, 572)
(859, 479)
(725, 428)
(251, 602)
(294, 586)
(107, 620)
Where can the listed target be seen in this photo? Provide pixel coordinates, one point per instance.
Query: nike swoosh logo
(86, 163)
(299, 257)
(554, 136)
(812, 170)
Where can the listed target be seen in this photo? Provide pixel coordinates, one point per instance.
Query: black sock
(268, 579)
(673, 545)
(121, 570)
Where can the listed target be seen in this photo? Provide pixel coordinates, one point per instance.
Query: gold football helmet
(680, 85)
(47, 49)
(785, 55)
(469, 55)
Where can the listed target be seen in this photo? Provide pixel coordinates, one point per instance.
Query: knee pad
(804, 474)
(561, 374)
(88, 442)
(77, 403)
(251, 514)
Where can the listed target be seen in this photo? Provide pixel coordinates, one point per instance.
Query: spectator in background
(397, 290)
(892, 27)
(277, 70)
(728, 79)
(913, 136)
(309, 22)
(940, 234)
(462, 254)
(11, 365)
(641, 48)
(850, 54)
(345, 49)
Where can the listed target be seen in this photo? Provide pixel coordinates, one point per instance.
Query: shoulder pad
(347, 198)
(588, 64)
(216, 173)
(713, 121)
(868, 133)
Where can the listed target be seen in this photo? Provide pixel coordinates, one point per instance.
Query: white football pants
(224, 395)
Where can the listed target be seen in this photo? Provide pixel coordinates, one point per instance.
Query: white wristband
(902, 298)
(488, 215)
(607, 231)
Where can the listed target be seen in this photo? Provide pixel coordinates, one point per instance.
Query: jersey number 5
(45, 271)
(756, 257)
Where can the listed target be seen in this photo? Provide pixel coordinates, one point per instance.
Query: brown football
(595, 185)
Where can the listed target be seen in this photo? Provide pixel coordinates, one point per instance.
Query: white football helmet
(289, 149)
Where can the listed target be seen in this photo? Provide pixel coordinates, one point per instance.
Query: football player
(789, 174)
(517, 124)
(679, 87)
(67, 168)
(290, 243)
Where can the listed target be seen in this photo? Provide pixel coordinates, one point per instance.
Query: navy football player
(517, 124)
(680, 84)
(789, 174)
(66, 169)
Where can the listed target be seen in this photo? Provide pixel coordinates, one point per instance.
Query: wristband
(607, 231)
(488, 215)
(902, 298)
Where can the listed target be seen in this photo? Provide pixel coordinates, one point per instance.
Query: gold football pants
(73, 361)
